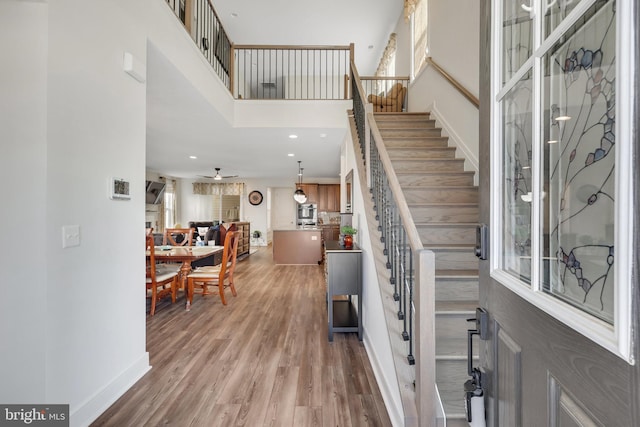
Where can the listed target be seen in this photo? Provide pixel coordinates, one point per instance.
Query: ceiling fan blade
(205, 176)
(230, 176)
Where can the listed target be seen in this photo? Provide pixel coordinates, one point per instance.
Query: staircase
(443, 202)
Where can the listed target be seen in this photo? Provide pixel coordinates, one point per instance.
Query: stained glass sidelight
(516, 164)
(579, 164)
(517, 36)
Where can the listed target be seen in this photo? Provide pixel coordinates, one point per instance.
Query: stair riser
(457, 290)
(456, 260)
(450, 377)
(445, 195)
(451, 334)
(433, 179)
(436, 141)
(410, 132)
(402, 124)
(456, 235)
(421, 153)
(448, 165)
(407, 117)
(444, 214)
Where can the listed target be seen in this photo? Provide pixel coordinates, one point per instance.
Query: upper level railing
(206, 30)
(291, 72)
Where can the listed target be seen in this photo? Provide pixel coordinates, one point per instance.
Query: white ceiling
(180, 120)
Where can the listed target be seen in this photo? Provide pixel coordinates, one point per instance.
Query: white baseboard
(93, 407)
(396, 414)
(455, 139)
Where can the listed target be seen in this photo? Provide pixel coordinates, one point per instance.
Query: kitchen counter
(297, 245)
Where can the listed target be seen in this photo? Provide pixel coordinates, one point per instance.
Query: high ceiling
(180, 120)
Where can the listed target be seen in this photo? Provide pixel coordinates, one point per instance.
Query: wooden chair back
(157, 284)
(229, 254)
(178, 237)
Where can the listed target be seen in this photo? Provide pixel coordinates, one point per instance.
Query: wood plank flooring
(261, 360)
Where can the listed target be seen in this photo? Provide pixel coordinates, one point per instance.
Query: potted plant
(257, 234)
(348, 233)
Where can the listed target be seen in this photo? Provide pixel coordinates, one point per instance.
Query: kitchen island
(299, 245)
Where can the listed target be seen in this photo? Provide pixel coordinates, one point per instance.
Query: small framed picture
(119, 189)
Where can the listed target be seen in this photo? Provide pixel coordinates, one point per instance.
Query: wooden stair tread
(442, 204)
(445, 224)
(456, 306)
(440, 187)
(438, 246)
(435, 173)
(449, 274)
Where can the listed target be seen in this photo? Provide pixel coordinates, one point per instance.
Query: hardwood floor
(263, 359)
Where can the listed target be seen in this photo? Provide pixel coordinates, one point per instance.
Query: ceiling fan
(217, 176)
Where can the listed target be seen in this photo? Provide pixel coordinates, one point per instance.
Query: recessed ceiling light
(234, 15)
(323, 135)
(370, 46)
(553, 141)
(563, 118)
(193, 157)
(290, 154)
(292, 136)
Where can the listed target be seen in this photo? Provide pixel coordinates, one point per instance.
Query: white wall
(376, 335)
(23, 170)
(73, 329)
(453, 44)
(96, 129)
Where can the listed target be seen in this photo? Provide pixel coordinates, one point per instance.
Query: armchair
(392, 102)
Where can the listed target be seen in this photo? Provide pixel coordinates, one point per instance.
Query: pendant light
(299, 195)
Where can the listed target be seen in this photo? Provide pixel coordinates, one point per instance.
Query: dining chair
(220, 275)
(178, 237)
(157, 280)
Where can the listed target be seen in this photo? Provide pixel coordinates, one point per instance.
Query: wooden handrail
(471, 97)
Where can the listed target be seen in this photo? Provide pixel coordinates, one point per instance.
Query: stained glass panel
(516, 162)
(517, 36)
(555, 11)
(579, 164)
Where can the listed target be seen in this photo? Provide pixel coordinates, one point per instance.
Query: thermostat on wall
(119, 189)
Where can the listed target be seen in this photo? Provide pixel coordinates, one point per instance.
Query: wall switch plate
(70, 236)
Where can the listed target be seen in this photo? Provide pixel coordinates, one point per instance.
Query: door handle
(482, 241)
(474, 395)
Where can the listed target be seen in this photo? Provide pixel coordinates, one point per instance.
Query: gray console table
(343, 272)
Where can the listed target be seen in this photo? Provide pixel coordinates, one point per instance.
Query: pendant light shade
(299, 195)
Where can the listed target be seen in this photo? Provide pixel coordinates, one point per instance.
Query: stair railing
(291, 72)
(202, 23)
(411, 267)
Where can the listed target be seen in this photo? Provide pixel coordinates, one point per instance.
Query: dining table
(186, 255)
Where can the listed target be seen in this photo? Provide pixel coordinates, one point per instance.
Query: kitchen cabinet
(326, 196)
(329, 197)
(330, 232)
(343, 274)
(311, 190)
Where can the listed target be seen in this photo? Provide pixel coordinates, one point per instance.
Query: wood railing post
(232, 67)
